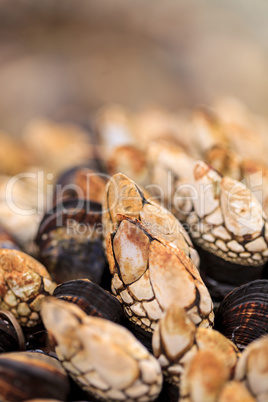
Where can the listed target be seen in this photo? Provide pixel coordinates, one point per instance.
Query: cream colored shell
(123, 196)
(24, 282)
(176, 340)
(150, 274)
(104, 358)
(227, 219)
(252, 368)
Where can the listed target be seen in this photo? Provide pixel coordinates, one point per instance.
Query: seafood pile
(133, 258)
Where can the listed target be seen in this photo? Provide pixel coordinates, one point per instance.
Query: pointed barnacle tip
(60, 316)
(120, 176)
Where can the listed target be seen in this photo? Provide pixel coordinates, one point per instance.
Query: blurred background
(65, 59)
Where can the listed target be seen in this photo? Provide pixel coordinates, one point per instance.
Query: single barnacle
(123, 196)
(204, 378)
(235, 391)
(104, 358)
(23, 284)
(176, 340)
(150, 274)
(228, 224)
(252, 368)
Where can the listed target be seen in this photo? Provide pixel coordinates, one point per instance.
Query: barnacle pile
(119, 245)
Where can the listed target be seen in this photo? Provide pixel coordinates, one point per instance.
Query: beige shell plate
(150, 274)
(104, 358)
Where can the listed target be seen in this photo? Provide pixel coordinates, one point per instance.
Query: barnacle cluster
(113, 268)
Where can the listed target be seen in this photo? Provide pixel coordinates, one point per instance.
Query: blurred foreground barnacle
(252, 368)
(243, 314)
(176, 340)
(125, 197)
(23, 284)
(235, 391)
(42, 400)
(229, 226)
(104, 358)
(25, 375)
(204, 377)
(150, 274)
(70, 241)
